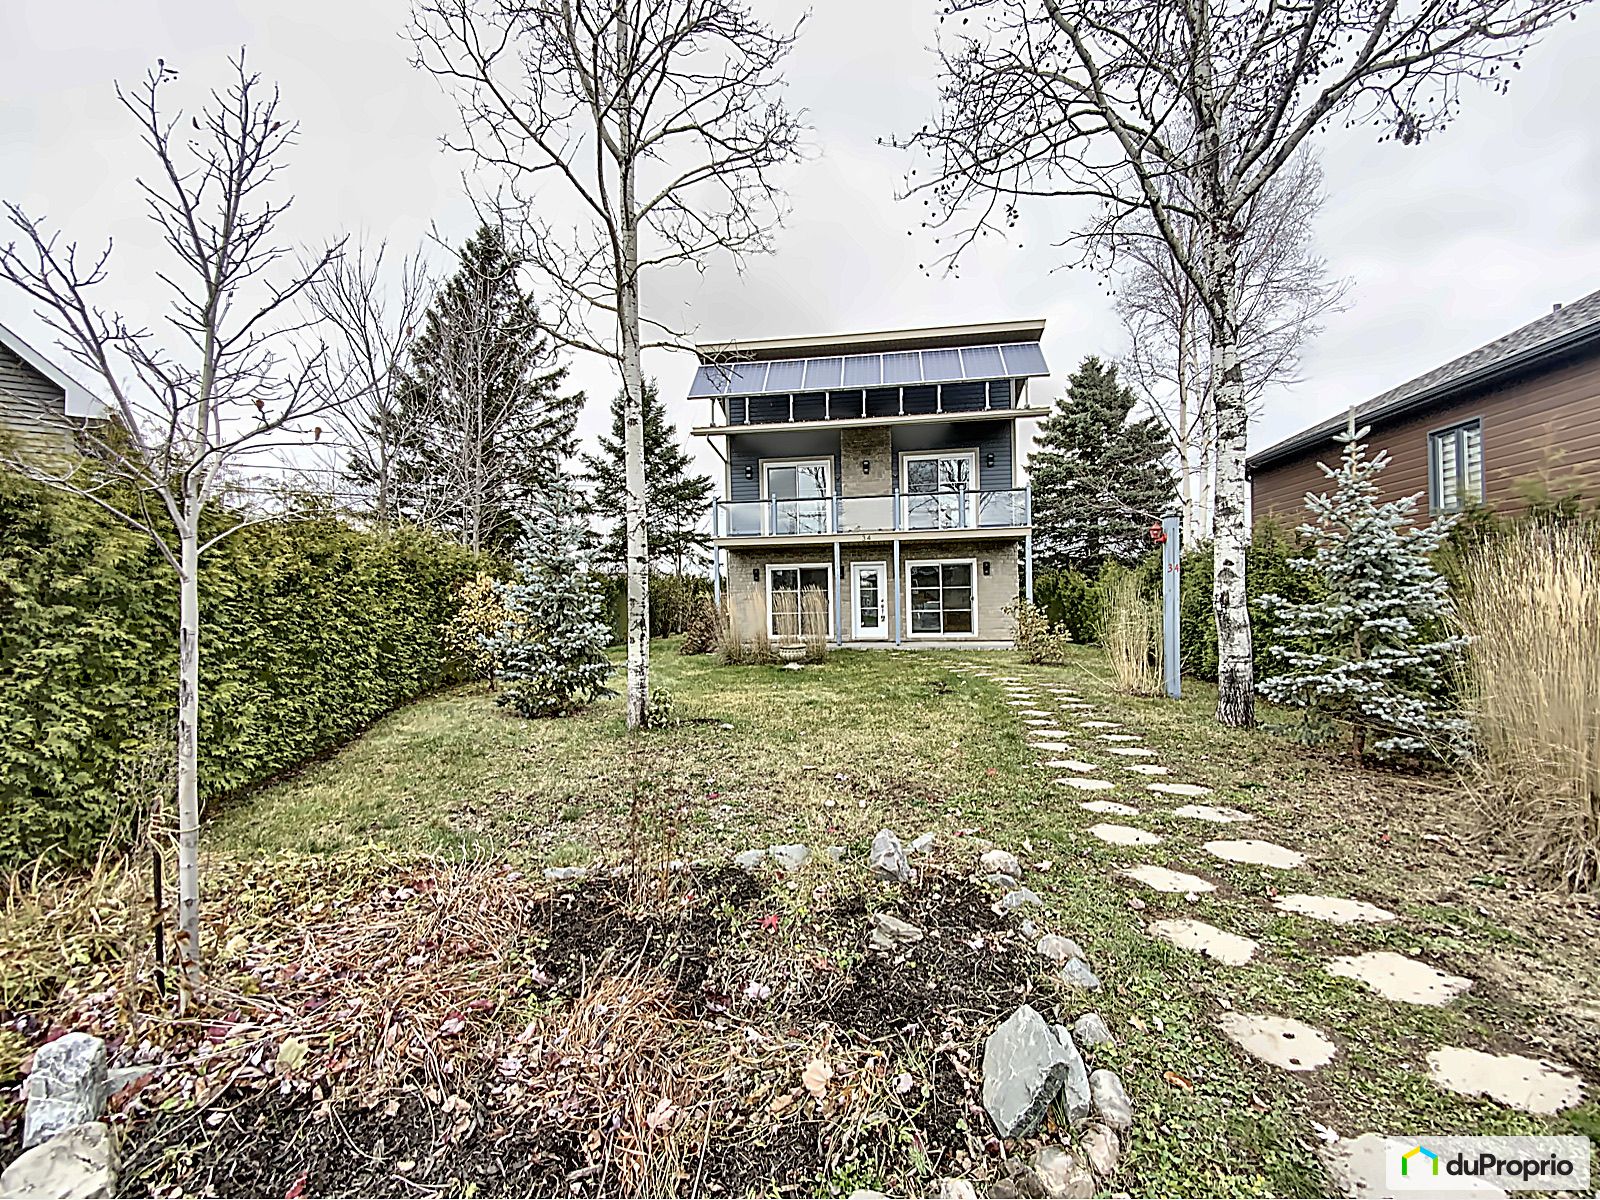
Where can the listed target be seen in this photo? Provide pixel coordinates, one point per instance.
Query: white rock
(888, 860)
(78, 1163)
(1090, 1030)
(1077, 973)
(1059, 949)
(1023, 1069)
(1101, 1147)
(1063, 1174)
(889, 932)
(920, 843)
(1000, 862)
(1084, 785)
(789, 858)
(1110, 1102)
(1212, 813)
(749, 860)
(67, 1086)
(1108, 808)
(954, 1189)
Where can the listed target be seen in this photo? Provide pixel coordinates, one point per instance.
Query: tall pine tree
(485, 429)
(676, 499)
(1098, 479)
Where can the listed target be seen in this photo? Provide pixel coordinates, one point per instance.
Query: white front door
(869, 600)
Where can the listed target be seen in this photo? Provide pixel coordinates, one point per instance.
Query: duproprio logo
(1416, 1155)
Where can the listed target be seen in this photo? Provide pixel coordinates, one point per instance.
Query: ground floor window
(941, 597)
(800, 601)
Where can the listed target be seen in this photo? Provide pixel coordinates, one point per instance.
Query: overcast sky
(1448, 245)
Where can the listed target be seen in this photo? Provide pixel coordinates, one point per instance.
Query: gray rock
(789, 858)
(1074, 1096)
(1090, 1030)
(835, 853)
(1059, 948)
(1110, 1102)
(1076, 972)
(1063, 1174)
(1018, 898)
(1008, 882)
(1102, 1148)
(1024, 1067)
(749, 860)
(954, 1189)
(78, 1163)
(67, 1086)
(1024, 1183)
(565, 874)
(888, 860)
(1029, 929)
(889, 932)
(920, 844)
(1001, 862)
(863, 1193)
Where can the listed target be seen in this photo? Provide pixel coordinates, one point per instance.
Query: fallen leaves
(816, 1077)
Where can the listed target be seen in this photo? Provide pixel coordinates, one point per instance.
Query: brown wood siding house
(1522, 411)
(41, 407)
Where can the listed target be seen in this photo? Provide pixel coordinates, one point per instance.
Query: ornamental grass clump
(1531, 606)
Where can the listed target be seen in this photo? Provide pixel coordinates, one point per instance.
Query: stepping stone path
(1100, 724)
(1108, 808)
(1162, 879)
(1206, 939)
(1333, 908)
(1279, 1041)
(1532, 1084)
(1131, 751)
(1071, 764)
(1256, 853)
(1180, 789)
(1396, 977)
(1053, 747)
(1125, 835)
(1143, 768)
(1120, 737)
(1206, 812)
(1085, 785)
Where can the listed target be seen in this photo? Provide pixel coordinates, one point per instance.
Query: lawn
(454, 793)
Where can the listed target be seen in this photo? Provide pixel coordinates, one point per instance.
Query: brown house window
(1455, 467)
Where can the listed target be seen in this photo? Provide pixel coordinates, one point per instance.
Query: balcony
(950, 512)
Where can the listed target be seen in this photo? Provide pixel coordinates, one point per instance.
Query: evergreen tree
(551, 648)
(676, 499)
(1099, 480)
(484, 429)
(1374, 650)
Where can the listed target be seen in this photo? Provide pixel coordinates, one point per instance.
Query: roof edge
(927, 337)
(78, 401)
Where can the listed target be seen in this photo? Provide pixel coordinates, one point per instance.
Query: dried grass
(814, 624)
(1131, 635)
(1531, 604)
(62, 927)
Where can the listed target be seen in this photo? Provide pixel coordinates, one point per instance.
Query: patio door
(938, 489)
(869, 600)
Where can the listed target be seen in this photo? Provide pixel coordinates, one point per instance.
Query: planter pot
(791, 652)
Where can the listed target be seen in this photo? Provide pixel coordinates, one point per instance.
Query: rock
(1059, 948)
(118, 1078)
(749, 860)
(78, 1163)
(862, 1193)
(1102, 1148)
(920, 844)
(1109, 1100)
(1009, 882)
(1091, 1030)
(889, 932)
(789, 858)
(67, 1086)
(1017, 898)
(1001, 862)
(888, 860)
(565, 874)
(835, 853)
(954, 1189)
(1075, 1088)
(1063, 1173)
(1025, 1183)
(1076, 972)
(1024, 1067)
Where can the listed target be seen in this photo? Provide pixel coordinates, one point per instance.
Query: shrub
(1272, 567)
(1071, 600)
(704, 630)
(673, 602)
(311, 630)
(1131, 635)
(1531, 607)
(480, 616)
(1036, 639)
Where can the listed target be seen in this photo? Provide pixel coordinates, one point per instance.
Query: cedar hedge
(311, 630)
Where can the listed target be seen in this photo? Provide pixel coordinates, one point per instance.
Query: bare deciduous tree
(183, 418)
(1284, 292)
(661, 120)
(373, 323)
(1185, 111)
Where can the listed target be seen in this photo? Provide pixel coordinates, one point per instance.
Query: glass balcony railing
(987, 508)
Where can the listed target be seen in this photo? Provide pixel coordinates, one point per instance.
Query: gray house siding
(32, 408)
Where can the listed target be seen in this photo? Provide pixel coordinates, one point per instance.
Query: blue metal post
(1171, 560)
(838, 598)
(899, 600)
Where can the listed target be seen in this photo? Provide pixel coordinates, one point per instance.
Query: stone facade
(874, 446)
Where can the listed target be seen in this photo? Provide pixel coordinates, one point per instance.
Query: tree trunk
(638, 549)
(188, 775)
(1235, 666)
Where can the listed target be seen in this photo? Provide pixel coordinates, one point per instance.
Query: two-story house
(881, 470)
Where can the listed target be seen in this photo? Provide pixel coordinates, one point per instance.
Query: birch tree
(661, 123)
(1183, 113)
(230, 385)
(1284, 292)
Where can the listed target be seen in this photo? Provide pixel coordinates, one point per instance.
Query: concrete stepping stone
(1054, 733)
(1532, 1085)
(1038, 712)
(1336, 909)
(1019, 703)
(1052, 747)
(1143, 768)
(1396, 977)
(1120, 737)
(1101, 724)
(1257, 853)
(1124, 835)
(1129, 751)
(1071, 764)
(1161, 879)
(1109, 808)
(1085, 785)
(1358, 1167)
(1208, 812)
(1038, 722)
(1208, 940)
(1180, 789)
(1278, 1041)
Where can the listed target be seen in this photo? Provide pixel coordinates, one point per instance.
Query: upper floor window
(1455, 467)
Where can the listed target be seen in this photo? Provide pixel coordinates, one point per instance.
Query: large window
(938, 489)
(797, 496)
(800, 601)
(941, 597)
(1455, 465)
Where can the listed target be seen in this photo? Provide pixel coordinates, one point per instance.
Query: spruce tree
(1374, 650)
(1099, 480)
(552, 645)
(676, 498)
(484, 428)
